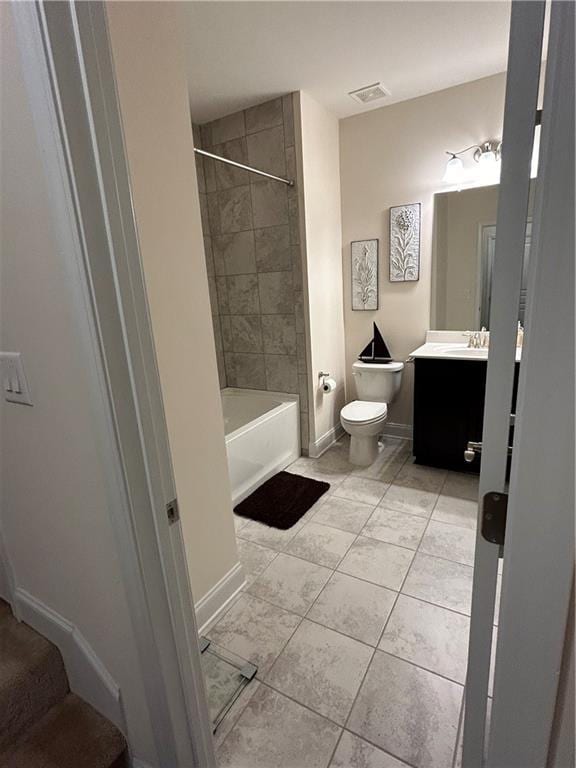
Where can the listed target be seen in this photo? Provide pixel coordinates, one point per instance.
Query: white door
(527, 660)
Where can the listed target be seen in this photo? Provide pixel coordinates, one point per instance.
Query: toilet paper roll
(329, 385)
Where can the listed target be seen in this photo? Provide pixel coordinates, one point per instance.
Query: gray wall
(252, 246)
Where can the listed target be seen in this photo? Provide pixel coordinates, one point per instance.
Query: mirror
(463, 255)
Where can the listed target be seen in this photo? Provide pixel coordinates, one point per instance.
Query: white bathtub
(262, 436)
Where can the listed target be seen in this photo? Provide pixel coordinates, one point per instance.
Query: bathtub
(262, 436)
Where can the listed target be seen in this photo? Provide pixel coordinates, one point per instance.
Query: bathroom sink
(462, 350)
(452, 350)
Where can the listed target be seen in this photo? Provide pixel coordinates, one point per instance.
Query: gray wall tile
(301, 352)
(200, 174)
(243, 295)
(213, 294)
(222, 290)
(214, 213)
(204, 217)
(288, 110)
(226, 128)
(276, 293)
(264, 116)
(273, 249)
(294, 219)
(235, 253)
(226, 330)
(269, 203)
(246, 333)
(299, 312)
(291, 163)
(266, 151)
(227, 175)
(210, 174)
(281, 373)
(252, 254)
(279, 334)
(206, 135)
(303, 391)
(209, 256)
(235, 210)
(296, 267)
(248, 370)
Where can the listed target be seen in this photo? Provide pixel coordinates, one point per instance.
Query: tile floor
(357, 618)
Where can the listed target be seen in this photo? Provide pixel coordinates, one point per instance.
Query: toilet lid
(364, 411)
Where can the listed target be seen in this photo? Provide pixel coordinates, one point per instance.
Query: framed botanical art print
(364, 274)
(405, 243)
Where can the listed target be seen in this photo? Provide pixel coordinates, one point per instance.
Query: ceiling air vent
(369, 93)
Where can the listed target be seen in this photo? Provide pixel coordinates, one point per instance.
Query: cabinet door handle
(474, 448)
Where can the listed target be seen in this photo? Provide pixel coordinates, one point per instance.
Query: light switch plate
(14, 384)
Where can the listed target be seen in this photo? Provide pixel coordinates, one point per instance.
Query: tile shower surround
(252, 248)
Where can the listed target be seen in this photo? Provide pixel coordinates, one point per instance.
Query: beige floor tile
(266, 536)
(423, 478)
(291, 583)
(254, 630)
(408, 712)
(441, 582)
(254, 558)
(354, 752)
(452, 542)
(354, 607)
(429, 636)
(276, 732)
(413, 501)
(321, 544)
(378, 562)
(362, 489)
(345, 514)
(452, 509)
(395, 527)
(321, 669)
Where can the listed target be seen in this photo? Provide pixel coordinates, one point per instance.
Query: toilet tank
(379, 382)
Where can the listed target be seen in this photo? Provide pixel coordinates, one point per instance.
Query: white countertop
(447, 345)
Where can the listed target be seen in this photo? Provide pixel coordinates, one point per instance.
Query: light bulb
(454, 171)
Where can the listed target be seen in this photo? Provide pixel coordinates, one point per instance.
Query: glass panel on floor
(225, 675)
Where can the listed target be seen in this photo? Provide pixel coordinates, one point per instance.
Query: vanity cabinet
(449, 410)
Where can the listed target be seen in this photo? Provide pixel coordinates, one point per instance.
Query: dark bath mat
(281, 501)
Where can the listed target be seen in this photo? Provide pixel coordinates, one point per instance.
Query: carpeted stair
(43, 724)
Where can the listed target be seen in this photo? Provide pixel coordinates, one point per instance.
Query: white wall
(56, 502)
(393, 156)
(151, 79)
(318, 150)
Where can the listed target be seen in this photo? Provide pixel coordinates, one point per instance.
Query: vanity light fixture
(487, 155)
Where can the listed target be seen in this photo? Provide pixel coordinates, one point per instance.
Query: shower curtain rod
(244, 167)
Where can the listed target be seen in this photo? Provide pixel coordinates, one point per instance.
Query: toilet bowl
(376, 386)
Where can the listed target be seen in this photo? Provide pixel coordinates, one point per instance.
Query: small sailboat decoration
(377, 350)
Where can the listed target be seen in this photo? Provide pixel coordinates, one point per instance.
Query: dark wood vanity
(449, 410)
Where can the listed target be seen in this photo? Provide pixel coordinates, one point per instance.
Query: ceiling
(243, 53)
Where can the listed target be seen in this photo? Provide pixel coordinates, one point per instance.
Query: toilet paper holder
(327, 384)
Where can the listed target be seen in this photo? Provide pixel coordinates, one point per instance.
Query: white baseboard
(398, 430)
(211, 607)
(87, 675)
(324, 442)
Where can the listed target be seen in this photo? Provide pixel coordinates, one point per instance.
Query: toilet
(377, 384)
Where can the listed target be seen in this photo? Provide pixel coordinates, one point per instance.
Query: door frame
(70, 82)
(539, 545)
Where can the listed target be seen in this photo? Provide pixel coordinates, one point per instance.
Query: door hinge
(172, 511)
(494, 511)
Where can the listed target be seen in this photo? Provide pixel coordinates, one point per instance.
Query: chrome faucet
(478, 339)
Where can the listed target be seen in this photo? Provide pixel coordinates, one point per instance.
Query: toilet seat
(364, 412)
